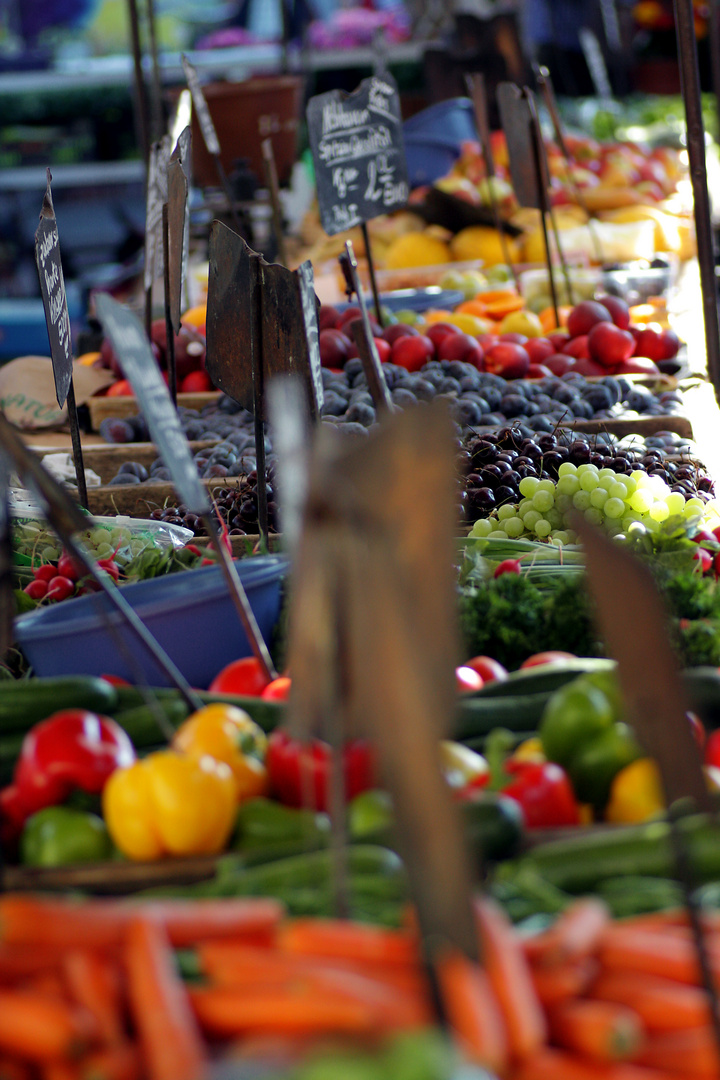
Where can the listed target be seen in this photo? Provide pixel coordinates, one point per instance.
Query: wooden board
(640, 425)
(137, 500)
(101, 408)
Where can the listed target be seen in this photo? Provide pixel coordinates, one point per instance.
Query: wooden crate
(641, 425)
(106, 460)
(137, 500)
(109, 878)
(102, 408)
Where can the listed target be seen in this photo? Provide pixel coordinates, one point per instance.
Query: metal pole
(690, 85)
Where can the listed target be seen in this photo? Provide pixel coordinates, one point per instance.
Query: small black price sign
(359, 153)
(52, 288)
(129, 341)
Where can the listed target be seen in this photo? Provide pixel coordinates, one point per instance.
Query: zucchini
(544, 679)
(24, 702)
(578, 864)
(476, 716)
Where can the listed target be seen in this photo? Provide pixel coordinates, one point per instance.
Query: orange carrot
(472, 1010)
(510, 978)
(574, 935)
(550, 1064)
(94, 983)
(119, 1062)
(348, 940)
(623, 948)
(600, 1030)
(661, 1004)
(39, 1028)
(101, 924)
(556, 984)
(171, 1043)
(60, 1070)
(22, 961)
(299, 1011)
(49, 983)
(693, 1053)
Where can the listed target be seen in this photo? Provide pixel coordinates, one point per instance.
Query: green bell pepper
(61, 835)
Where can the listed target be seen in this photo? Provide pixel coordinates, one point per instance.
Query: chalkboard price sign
(359, 154)
(52, 288)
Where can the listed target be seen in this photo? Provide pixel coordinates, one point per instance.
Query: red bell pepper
(543, 792)
(73, 749)
(299, 771)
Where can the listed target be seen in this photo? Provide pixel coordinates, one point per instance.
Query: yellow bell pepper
(228, 734)
(530, 750)
(462, 766)
(636, 794)
(170, 804)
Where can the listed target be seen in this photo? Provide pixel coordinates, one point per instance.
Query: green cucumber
(142, 723)
(543, 679)
(476, 716)
(578, 864)
(267, 714)
(24, 702)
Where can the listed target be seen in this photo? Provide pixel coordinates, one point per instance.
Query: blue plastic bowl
(414, 299)
(190, 614)
(449, 122)
(428, 159)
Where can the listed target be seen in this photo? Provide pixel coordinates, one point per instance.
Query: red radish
(60, 588)
(704, 559)
(507, 566)
(110, 566)
(67, 567)
(45, 572)
(37, 589)
(467, 680)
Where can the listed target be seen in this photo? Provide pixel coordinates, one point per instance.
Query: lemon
(416, 249)
(481, 242)
(522, 322)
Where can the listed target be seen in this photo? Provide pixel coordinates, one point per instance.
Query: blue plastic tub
(428, 159)
(23, 330)
(449, 122)
(191, 615)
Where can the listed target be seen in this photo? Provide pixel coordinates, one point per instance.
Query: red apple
(657, 343)
(438, 331)
(537, 371)
(619, 311)
(559, 363)
(513, 338)
(486, 341)
(609, 345)
(383, 349)
(558, 338)
(397, 330)
(507, 359)
(412, 351)
(456, 346)
(584, 316)
(538, 349)
(577, 347)
(328, 317)
(334, 348)
(637, 365)
(587, 367)
(476, 357)
(196, 382)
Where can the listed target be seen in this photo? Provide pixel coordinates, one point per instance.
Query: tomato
(467, 681)
(278, 689)
(488, 669)
(121, 388)
(712, 749)
(551, 657)
(244, 676)
(115, 680)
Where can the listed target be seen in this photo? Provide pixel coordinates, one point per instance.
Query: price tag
(157, 195)
(52, 288)
(359, 153)
(177, 200)
(201, 108)
(129, 341)
(308, 302)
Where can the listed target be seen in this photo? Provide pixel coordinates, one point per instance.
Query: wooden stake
(142, 112)
(371, 272)
(271, 179)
